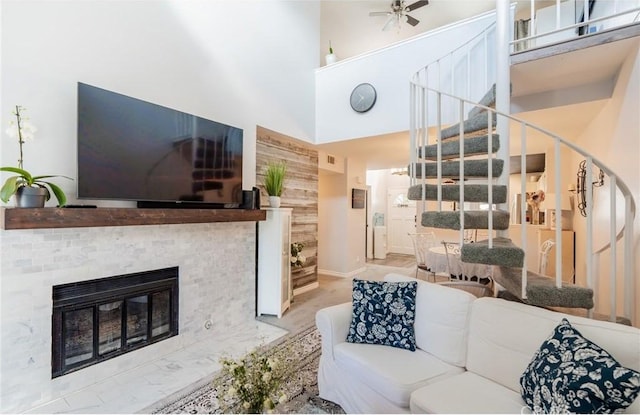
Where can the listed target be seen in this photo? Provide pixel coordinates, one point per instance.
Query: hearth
(103, 318)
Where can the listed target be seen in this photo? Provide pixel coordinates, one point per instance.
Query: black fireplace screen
(104, 318)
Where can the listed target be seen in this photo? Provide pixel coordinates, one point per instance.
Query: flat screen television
(129, 149)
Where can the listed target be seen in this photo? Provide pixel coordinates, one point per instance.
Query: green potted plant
(330, 57)
(274, 181)
(29, 190)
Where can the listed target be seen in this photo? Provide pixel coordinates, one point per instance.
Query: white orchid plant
(297, 259)
(23, 130)
(252, 383)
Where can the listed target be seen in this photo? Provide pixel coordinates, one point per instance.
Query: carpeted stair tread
(506, 295)
(503, 253)
(451, 193)
(473, 219)
(596, 316)
(451, 149)
(542, 291)
(451, 169)
(488, 100)
(476, 123)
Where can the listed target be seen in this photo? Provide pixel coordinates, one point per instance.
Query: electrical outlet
(358, 259)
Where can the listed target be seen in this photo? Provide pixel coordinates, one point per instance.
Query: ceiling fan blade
(412, 21)
(416, 5)
(379, 13)
(389, 23)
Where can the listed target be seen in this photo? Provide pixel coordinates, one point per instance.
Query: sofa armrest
(333, 324)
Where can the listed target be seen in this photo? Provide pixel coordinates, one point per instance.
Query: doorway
(402, 221)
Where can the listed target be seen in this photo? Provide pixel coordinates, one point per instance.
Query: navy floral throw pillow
(570, 374)
(383, 313)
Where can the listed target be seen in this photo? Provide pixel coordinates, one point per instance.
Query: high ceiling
(353, 32)
(347, 25)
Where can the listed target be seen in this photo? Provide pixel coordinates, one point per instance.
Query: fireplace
(100, 319)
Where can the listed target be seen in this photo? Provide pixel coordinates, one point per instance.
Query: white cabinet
(274, 266)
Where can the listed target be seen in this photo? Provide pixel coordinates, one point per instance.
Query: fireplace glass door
(78, 339)
(109, 327)
(114, 316)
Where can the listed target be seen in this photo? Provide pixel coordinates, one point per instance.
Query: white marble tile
(147, 384)
(214, 285)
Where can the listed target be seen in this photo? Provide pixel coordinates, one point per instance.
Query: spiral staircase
(459, 153)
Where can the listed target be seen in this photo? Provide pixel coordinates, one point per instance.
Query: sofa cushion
(393, 373)
(466, 393)
(504, 335)
(383, 313)
(569, 373)
(442, 319)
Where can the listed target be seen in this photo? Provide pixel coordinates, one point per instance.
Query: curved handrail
(427, 111)
(466, 44)
(620, 184)
(576, 25)
(474, 40)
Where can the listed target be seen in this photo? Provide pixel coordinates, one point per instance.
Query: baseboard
(306, 288)
(342, 274)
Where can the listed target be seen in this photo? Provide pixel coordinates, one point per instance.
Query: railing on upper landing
(570, 19)
(443, 92)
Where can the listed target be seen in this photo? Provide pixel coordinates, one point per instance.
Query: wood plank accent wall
(300, 193)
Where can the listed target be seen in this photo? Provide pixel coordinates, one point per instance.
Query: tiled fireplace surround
(217, 283)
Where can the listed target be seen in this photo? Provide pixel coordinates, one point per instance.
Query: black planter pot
(31, 197)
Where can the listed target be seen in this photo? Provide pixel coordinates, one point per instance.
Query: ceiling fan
(399, 9)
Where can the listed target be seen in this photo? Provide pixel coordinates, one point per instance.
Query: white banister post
(614, 250)
(629, 284)
(557, 180)
(523, 204)
(503, 91)
(532, 24)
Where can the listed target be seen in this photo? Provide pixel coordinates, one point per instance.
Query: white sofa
(469, 357)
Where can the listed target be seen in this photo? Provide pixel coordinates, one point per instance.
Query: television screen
(129, 149)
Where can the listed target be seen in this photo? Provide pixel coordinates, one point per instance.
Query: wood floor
(331, 291)
(337, 290)
(395, 260)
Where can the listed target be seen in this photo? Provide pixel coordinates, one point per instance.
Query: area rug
(303, 349)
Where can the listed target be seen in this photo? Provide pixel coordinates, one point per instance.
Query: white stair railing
(617, 186)
(436, 101)
(611, 13)
(457, 71)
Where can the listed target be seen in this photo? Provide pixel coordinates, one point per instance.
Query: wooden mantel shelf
(39, 218)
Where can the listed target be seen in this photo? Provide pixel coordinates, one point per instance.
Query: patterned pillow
(383, 313)
(571, 374)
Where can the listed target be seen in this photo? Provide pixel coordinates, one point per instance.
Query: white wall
(332, 220)
(613, 138)
(223, 60)
(389, 71)
(356, 218)
(341, 229)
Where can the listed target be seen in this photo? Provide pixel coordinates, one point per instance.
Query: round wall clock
(363, 97)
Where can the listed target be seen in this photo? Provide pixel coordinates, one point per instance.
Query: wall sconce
(581, 187)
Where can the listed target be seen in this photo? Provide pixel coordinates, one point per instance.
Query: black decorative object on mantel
(251, 199)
